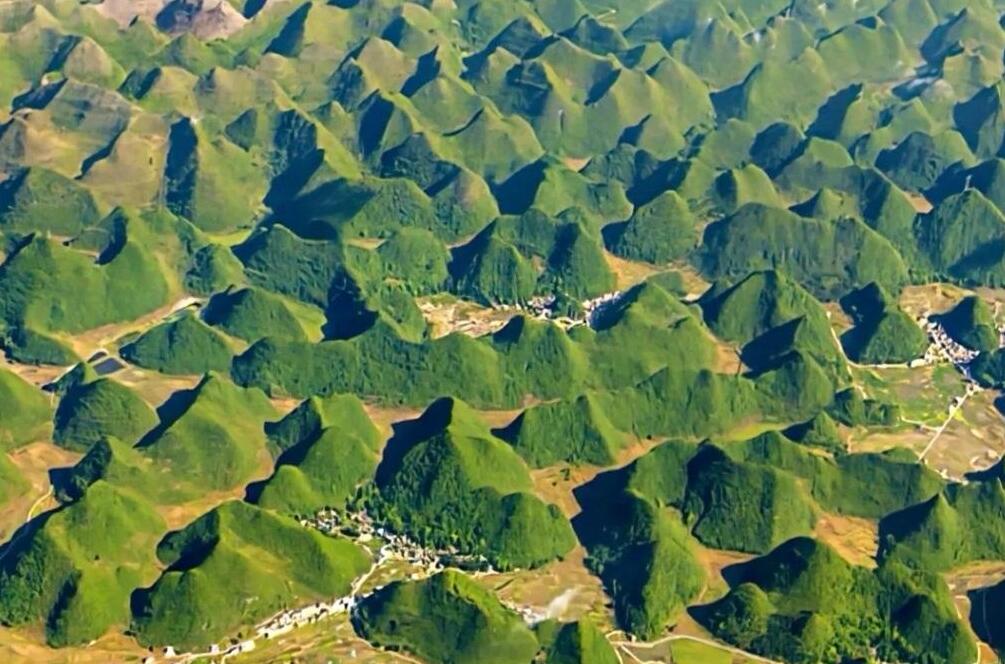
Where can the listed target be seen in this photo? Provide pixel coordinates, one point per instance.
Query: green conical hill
(235, 566)
(91, 411)
(448, 618)
(210, 437)
(24, 411)
(185, 345)
(72, 570)
(570, 431)
(448, 463)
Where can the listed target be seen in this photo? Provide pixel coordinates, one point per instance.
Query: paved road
(623, 645)
(938, 432)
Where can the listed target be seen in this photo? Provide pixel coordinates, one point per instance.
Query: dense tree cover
(93, 408)
(742, 507)
(212, 268)
(962, 237)
(234, 566)
(327, 448)
(37, 199)
(660, 231)
(446, 618)
(644, 556)
(185, 345)
(24, 411)
(954, 527)
(989, 368)
(252, 314)
(883, 332)
(48, 287)
(828, 257)
(682, 485)
(498, 264)
(705, 483)
(210, 437)
(313, 416)
(116, 463)
(208, 180)
(853, 409)
(863, 484)
(573, 431)
(795, 388)
(803, 602)
(448, 481)
(819, 431)
(527, 357)
(73, 569)
(768, 314)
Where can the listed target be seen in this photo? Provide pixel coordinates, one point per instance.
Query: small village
(454, 318)
(360, 528)
(945, 349)
(543, 308)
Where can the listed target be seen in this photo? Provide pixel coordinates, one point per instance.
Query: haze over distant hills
(502, 330)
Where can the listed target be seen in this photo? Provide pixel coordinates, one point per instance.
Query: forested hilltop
(502, 331)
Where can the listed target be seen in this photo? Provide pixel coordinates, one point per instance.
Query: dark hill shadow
(170, 412)
(985, 617)
(601, 503)
(409, 433)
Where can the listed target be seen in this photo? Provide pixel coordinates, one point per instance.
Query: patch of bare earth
(974, 439)
(28, 645)
(564, 590)
(914, 439)
(385, 417)
(920, 203)
(715, 561)
(576, 163)
(856, 540)
(124, 11)
(628, 273)
(727, 358)
(446, 316)
(840, 321)
(36, 375)
(930, 298)
(154, 387)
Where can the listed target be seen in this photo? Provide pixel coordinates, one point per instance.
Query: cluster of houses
(356, 526)
(360, 527)
(215, 652)
(278, 625)
(543, 308)
(454, 319)
(531, 615)
(287, 621)
(944, 348)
